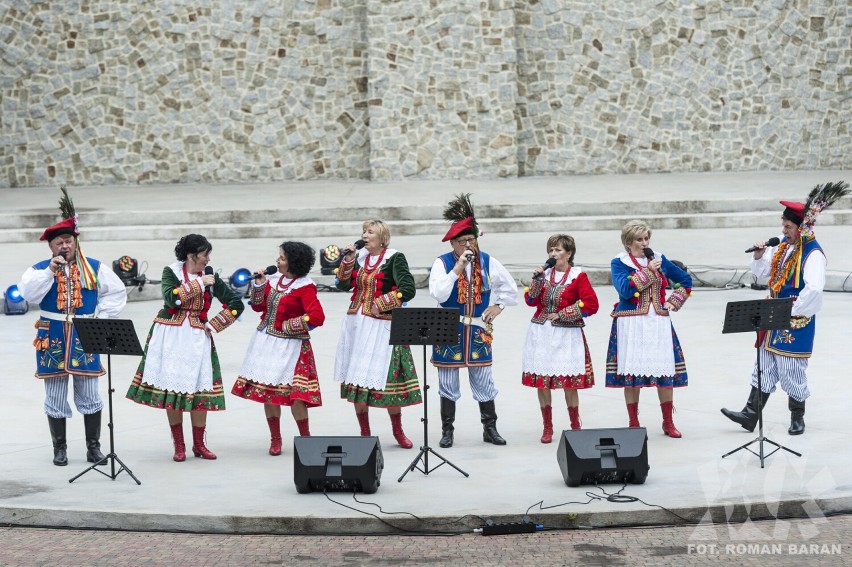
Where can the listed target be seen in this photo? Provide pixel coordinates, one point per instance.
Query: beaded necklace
(562, 280)
(285, 288)
(368, 268)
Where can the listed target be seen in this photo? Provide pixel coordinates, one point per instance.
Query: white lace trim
(554, 351)
(363, 352)
(645, 345)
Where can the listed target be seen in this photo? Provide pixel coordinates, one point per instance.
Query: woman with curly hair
(371, 372)
(180, 369)
(279, 367)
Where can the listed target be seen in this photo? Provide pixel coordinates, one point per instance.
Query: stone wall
(108, 92)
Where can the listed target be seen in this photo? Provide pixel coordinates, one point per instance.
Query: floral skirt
(207, 400)
(402, 387)
(305, 385)
(636, 380)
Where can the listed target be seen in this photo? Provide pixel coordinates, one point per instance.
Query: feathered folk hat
(68, 225)
(460, 212)
(820, 198)
(804, 214)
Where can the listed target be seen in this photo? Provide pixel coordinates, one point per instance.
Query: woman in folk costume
(796, 268)
(372, 372)
(180, 369)
(70, 285)
(644, 350)
(279, 367)
(556, 355)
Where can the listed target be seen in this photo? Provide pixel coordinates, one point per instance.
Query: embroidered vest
(471, 350)
(794, 342)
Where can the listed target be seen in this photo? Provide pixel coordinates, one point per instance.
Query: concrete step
(302, 224)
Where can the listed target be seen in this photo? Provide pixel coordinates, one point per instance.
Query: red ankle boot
(198, 448)
(398, 434)
(177, 438)
(633, 413)
(275, 434)
(364, 422)
(547, 420)
(302, 424)
(668, 423)
(574, 415)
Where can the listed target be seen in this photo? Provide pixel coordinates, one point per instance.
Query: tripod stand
(758, 315)
(425, 326)
(108, 336)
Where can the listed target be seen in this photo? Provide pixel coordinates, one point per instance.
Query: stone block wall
(110, 92)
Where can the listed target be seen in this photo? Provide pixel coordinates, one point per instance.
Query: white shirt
(112, 293)
(503, 287)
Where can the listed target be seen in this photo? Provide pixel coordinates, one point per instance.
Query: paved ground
(246, 491)
(751, 544)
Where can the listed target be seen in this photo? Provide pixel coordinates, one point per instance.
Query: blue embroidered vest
(470, 350)
(58, 350)
(794, 342)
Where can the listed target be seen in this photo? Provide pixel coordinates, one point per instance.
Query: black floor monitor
(603, 456)
(337, 464)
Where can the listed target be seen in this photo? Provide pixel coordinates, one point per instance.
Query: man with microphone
(480, 287)
(70, 285)
(796, 266)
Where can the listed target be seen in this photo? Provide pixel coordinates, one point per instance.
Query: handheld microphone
(649, 254)
(267, 272)
(774, 241)
(549, 264)
(356, 246)
(208, 271)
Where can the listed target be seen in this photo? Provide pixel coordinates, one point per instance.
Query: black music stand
(758, 315)
(425, 326)
(108, 336)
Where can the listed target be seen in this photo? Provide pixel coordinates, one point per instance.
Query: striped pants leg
(481, 383)
(787, 370)
(87, 398)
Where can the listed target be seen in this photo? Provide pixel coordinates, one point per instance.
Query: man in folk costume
(796, 268)
(70, 285)
(480, 287)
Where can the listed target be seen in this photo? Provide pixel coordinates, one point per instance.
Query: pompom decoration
(175, 291)
(306, 318)
(233, 311)
(177, 302)
(399, 294)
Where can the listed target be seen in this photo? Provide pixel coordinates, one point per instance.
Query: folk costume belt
(62, 316)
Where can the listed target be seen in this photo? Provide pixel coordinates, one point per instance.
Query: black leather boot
(748, 417)
(797, 416)
(448, 416)
(489, 423)
(60, 446)
(93, 436)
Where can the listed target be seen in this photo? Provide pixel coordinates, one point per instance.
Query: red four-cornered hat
(68, 226)
(458, 227)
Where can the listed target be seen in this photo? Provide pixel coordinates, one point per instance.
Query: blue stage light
(13, 302)
(239, 281)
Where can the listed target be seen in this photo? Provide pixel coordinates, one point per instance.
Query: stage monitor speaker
(337, 464)
(601, 456)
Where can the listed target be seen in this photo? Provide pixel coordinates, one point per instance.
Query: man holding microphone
(480, 287)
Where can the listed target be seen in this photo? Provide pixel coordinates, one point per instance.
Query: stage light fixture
(127, 270)
(13, 302)
(239, 281)
(329, 259)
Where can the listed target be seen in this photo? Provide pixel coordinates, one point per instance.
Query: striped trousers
(87, 398)
(788, 370)
(481, 383)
